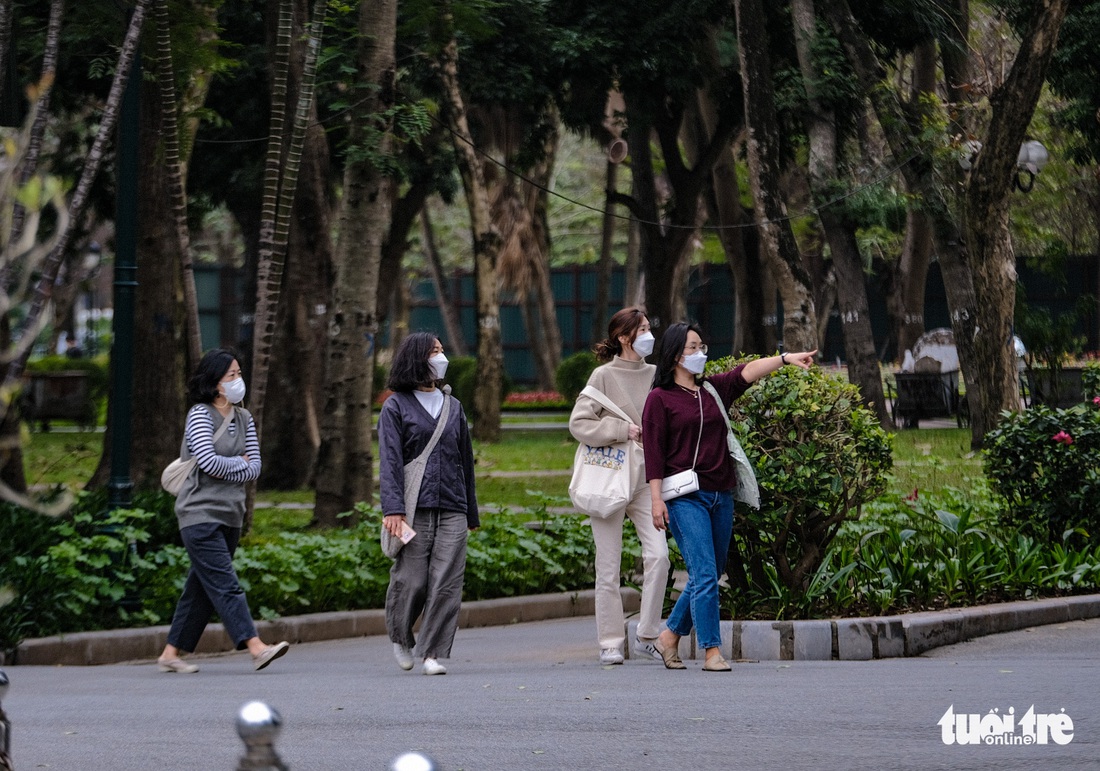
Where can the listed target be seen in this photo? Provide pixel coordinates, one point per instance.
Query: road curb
(846, 639)
(114, 646)
(884, 637)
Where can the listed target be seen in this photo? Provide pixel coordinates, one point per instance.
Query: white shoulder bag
(174, 474)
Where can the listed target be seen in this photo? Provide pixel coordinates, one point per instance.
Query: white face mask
(643, 344)
(437, 365)
(234, 390)
(695, 363)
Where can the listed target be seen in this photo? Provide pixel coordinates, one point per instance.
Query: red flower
(1096, 400)
(912, 496)
(1063, 437)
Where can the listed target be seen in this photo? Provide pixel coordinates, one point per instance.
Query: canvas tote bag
(604, 477)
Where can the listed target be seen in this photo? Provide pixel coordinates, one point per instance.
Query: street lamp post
(120, 487)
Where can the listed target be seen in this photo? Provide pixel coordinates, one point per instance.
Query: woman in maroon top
(683, 428)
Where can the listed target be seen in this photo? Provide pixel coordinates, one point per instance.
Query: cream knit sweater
(626, 383)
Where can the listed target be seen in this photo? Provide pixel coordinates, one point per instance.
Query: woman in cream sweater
(625, 379)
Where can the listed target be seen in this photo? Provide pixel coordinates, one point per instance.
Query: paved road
(533, 696)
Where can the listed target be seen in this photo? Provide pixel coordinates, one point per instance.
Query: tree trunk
(451, 322)
(909, 277)
(777, 239)
(607, 260)
(291, 437)
(344, 471)
(486, 247)
(547, 346)
(280, 189)
(840, 232)
(405, 210)
(735, 229)
(173, 167)
(986, 225)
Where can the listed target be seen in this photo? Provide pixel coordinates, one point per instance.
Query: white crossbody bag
(685, 482)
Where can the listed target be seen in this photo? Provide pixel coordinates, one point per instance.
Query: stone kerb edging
(863, 639)
(848, 639)
(118, 645)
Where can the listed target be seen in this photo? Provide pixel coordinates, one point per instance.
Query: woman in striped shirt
(210, 509)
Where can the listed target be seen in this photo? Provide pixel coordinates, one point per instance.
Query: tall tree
(280, 187)
(486, 242)
(827, 182)
(975, 254)
(777, 238)
(344, 472)
(173, 166)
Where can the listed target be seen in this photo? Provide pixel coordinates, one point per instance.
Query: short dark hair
(410, 362)
(203, 384)
(672, 348)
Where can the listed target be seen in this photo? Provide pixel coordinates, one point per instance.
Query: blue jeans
(702, 524)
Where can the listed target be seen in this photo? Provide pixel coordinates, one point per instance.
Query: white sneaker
(433, 667)
(403, 655)
(646, 649)
(611, 656)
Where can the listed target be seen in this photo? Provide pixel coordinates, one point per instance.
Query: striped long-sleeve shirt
(200, 443)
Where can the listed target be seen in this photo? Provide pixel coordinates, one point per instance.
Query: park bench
(1060, 388)
(64, 395)
(919, 396)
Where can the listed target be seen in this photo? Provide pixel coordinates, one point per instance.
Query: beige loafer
(269, 654)
(670, 656)
(716, 663)
(177, 665)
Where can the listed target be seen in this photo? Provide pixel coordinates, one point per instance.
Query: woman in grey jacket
(210, 510)
(427, 574)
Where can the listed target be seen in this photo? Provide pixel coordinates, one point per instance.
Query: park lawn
(926, 459)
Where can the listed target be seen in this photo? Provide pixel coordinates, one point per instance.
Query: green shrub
(462, 375)
(1044, 464)
(1090, 380)
(819, 455)
(573, 373)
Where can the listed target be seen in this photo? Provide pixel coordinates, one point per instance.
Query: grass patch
(927, 459)
(61, 457)
(931, 459)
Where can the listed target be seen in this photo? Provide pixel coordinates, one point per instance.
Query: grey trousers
(212, 586)
(426, 578)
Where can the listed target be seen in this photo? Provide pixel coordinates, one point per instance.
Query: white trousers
(608, 536)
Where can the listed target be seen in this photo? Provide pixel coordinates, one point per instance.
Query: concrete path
(533, 696)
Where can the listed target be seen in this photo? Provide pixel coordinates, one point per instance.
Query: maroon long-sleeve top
(670, 428)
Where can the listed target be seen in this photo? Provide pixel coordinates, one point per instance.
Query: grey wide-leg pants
(426, 578)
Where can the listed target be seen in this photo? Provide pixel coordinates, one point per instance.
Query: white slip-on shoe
(611, 656)
(403, 655)
(176, 665)
(269, 654)
(433, 667)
